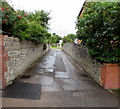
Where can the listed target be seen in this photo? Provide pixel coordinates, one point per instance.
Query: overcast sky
(63, 12)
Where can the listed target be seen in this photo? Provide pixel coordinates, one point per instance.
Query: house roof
(81, 9)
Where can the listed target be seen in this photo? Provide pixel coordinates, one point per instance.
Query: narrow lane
(57, 82)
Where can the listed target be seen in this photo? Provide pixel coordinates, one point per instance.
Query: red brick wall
(110, 74)
(2, 62)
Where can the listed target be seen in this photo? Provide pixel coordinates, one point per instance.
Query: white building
(60, 43)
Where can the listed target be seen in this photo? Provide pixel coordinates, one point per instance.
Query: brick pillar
(2, 63)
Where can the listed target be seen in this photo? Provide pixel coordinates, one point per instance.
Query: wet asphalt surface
(55, 81)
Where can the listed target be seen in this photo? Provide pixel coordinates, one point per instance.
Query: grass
(55, 47)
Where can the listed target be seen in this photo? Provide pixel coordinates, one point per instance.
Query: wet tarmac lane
(59, 83)
(59, 64)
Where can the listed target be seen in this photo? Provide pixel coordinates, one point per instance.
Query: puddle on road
(63, 75)
(49, 70)
(43, 70)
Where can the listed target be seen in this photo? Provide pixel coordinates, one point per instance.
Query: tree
(55, 39)
(69, 38)
(41, 17)
(72, 36)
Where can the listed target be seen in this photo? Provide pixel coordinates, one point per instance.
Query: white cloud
(63, 12)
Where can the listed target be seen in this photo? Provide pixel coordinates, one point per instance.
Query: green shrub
(26, 26)
(99, 29)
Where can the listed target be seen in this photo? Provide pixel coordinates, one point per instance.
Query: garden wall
(17, 56)
(80, 54)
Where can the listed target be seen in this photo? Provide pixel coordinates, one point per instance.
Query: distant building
(60, 43)
(77, 41)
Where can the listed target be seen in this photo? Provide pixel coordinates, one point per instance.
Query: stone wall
(17, 56)
(80, 54)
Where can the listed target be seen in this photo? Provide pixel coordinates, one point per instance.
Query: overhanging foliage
(31, 26)
(99, 30)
